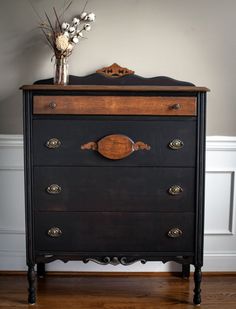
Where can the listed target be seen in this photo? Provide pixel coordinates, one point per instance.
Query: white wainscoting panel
(220, 191)
(220, 215)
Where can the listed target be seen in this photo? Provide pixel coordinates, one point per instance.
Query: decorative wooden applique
(115, 70)
(114, 260)
(115, 146)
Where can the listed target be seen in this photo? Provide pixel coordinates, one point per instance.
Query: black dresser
(114, 171)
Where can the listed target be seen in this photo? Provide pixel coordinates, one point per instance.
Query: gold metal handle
(54, 189)
(52, 105)
(176, 144)
(53, 143)
(54, 232)
(175, 190)
(175, 232)
(175, 106)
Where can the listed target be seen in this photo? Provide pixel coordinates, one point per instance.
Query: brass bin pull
(175, 232)
(52, 105)
(176, 144)
(54, 232)
(175, 190)
(53, 189)
(53, 143)
(115, 146)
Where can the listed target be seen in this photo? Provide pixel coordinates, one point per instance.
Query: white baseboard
(213, 262)
(220, 237)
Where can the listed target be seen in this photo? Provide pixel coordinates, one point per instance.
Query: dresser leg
(31, 281)
(185, 271)
(197, 289)
(40, 270)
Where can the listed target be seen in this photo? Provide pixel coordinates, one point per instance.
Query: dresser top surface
(138, 88)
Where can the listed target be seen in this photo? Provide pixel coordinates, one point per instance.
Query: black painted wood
(31, 281)
(40, 270)
(100, 79)
(185, 271)
(106, 231)
(197, 288)
(200, 179)
(114, 189)
(112, 211)
(48, 257)
(157, 133)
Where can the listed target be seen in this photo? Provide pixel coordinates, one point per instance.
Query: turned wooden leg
(185, 271)
(31, 281)
(197, 289)
(40, 270)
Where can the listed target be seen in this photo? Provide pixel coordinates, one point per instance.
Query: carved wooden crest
(115, 70)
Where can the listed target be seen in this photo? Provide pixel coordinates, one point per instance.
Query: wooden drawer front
(114, 232)
(114, 189)
(115, 105)
(74, 133)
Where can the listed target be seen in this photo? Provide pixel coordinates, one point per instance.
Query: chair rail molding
(221, 143)
(220, 218)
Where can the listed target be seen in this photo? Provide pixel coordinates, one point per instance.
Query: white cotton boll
(87, 27)
(66, 33)
(83, 15)
(65, 26)
(90, 17)
(80, 33)
(76, 21)
(75, 40)
(72, 30)
(70, 47)
(62, 42)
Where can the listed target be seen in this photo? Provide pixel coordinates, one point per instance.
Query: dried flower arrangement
(62, 36)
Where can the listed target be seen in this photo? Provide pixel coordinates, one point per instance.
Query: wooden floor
(118, 292)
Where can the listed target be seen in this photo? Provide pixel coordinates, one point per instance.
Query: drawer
(115, 105)
(126, 189)
(76, 139)
(114, 232)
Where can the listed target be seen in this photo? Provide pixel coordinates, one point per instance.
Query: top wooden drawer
(115, 105)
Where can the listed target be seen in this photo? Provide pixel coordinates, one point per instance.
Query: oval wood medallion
(115, 146)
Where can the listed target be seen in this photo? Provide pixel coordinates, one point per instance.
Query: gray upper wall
(185, 39)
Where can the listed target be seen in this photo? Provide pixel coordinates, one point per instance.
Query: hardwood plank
(120, 273)
(126, 292)
(115, 105)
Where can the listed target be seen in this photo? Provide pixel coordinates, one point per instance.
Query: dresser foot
(185, 271)
(40, 270)
(31, 289)
(197, 289)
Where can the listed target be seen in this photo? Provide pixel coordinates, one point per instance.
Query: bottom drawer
(114, 232)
